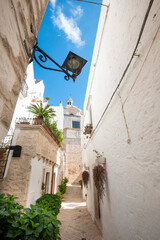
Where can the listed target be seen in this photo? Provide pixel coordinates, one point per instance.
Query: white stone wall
(57, 170)
(15, 20)
(68, 121)
(35, 181)
(71, 155)
(35, 91)
(126, 120)
(72, 143)
(59, 116)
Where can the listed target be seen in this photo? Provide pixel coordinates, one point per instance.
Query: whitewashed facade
(68, 119)
(122, 104)
(31, 89)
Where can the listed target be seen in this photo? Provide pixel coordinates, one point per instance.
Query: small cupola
(70, 102)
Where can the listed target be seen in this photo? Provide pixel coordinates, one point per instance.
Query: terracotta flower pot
(37, 121)
(25, 123)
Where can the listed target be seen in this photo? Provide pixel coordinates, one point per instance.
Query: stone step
(73, 192)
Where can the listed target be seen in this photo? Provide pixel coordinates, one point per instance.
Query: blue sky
(68, 25)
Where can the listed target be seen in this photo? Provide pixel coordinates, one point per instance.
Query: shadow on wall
(107, 187)
(76, 181)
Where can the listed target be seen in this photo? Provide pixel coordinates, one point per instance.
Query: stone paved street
(75, 219)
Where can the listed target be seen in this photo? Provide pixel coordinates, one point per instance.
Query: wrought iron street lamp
(73, 63)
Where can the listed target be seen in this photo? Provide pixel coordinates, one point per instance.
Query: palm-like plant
(41, 112)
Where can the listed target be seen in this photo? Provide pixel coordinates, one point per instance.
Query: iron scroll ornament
(41, 57)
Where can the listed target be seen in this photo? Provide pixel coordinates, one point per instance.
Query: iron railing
(4, 152)
(24, 120)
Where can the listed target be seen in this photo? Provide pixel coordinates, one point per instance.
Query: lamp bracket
(41, 57)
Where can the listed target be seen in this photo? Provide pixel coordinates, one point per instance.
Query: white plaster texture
(58, 168)
(15, 20)
(59, 116)
(71, 154)
(128, 130)
(35, 91)
(35, 181)
(72, 143)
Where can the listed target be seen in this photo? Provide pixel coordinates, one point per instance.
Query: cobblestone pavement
(75, 219)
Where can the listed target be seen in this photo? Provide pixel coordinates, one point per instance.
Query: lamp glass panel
(73, 63)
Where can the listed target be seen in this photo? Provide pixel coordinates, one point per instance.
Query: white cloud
(68, 26)
(53, 3)
(77, 12)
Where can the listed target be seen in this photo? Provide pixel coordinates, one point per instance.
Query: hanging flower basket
(85, 178)
(88, 129)
(99, 177)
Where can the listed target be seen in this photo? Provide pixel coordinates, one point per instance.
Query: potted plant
(80, 183)
(99, 177)
(41, 113)
(88, 129)
(65, 180)
(2, 151)
(43, 187)
(24, 122)
(85, 178)
(62, 188)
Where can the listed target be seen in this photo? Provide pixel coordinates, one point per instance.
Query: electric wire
(101, 4)
(133, 54)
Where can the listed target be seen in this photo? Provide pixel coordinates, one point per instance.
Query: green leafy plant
(32, 223)
(51, 202)
(80, 183)
(58, 133)
(53, 126)
(99, 177)
(35, 223)
(3, 150)
(10, 213)
(65, 180)
(43, 187)
(85, 178)
(41, 112)
(98, 155)
(47, 98)
(62, 188)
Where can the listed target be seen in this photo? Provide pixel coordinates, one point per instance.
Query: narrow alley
(75, 219)
(80, 104)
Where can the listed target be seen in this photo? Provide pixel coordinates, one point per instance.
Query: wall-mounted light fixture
(73, 63)
(16, 150)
